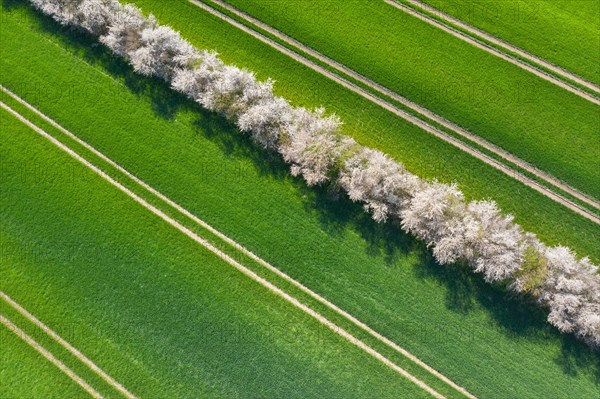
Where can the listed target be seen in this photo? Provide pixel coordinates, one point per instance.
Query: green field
(564, 32)
(25, 373)
(148, 280)
(539, 122)
(159, 313)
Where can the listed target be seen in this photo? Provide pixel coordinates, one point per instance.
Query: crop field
(512, 109)
(148, 249)
(569, 25)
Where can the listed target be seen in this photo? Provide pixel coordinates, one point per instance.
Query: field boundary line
(50, 357)
(492, 50)
(75, 352)
(548, 178)
(243, 269)
(246, 251)
(406, 116)
(563, 72)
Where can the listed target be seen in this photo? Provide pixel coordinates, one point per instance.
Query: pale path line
(405, 115)
(415, 107)
(227, 258)
(244, 250)
(47, 329)
(495, 52)
(507, 46)
(49, 356)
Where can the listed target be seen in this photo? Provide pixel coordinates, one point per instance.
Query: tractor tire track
(492, 50)
(244, 250)
(80, 356)
(50, 357)
(475, 32)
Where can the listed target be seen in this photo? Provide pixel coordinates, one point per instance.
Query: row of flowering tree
(475, 232)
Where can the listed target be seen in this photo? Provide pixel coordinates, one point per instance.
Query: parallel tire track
(403, 114)
(561, 72)
(243, 269)
(50, 357)
(244, 250)
(80, 356)
(497, 53)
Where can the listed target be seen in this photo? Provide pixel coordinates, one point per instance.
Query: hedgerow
(475, 232)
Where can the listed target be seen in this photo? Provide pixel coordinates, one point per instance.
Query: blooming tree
(96, 16)
(124, 35)
(310, 141)
(312, 144)
(572, 293)
(162, 52)
(383, 185)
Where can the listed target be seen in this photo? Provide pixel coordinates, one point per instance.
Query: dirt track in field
(50, 357)
(53, 334)
(244, 250)
(561, 72)
(550, 78)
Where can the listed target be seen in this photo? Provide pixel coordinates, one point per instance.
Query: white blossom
(196, 82)
(382, 184)
(476, 233)
(63, 11)
(432, 210)
(162, 51)
(572, 293)
(312, 144)
(266, 120)
(96, 16)
(495, 244)
(234, 91)
(125, 32)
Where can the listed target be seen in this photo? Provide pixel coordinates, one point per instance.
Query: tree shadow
(235, 144)
(10, 5)
(386, 240)
(165, 102)
(459, 280)
(516, 316)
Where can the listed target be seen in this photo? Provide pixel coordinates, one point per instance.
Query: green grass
(452, 320)
(423, 154)
(402, 361)
(25, 373)
(151, 307)
(564, 32)
(541, 123)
